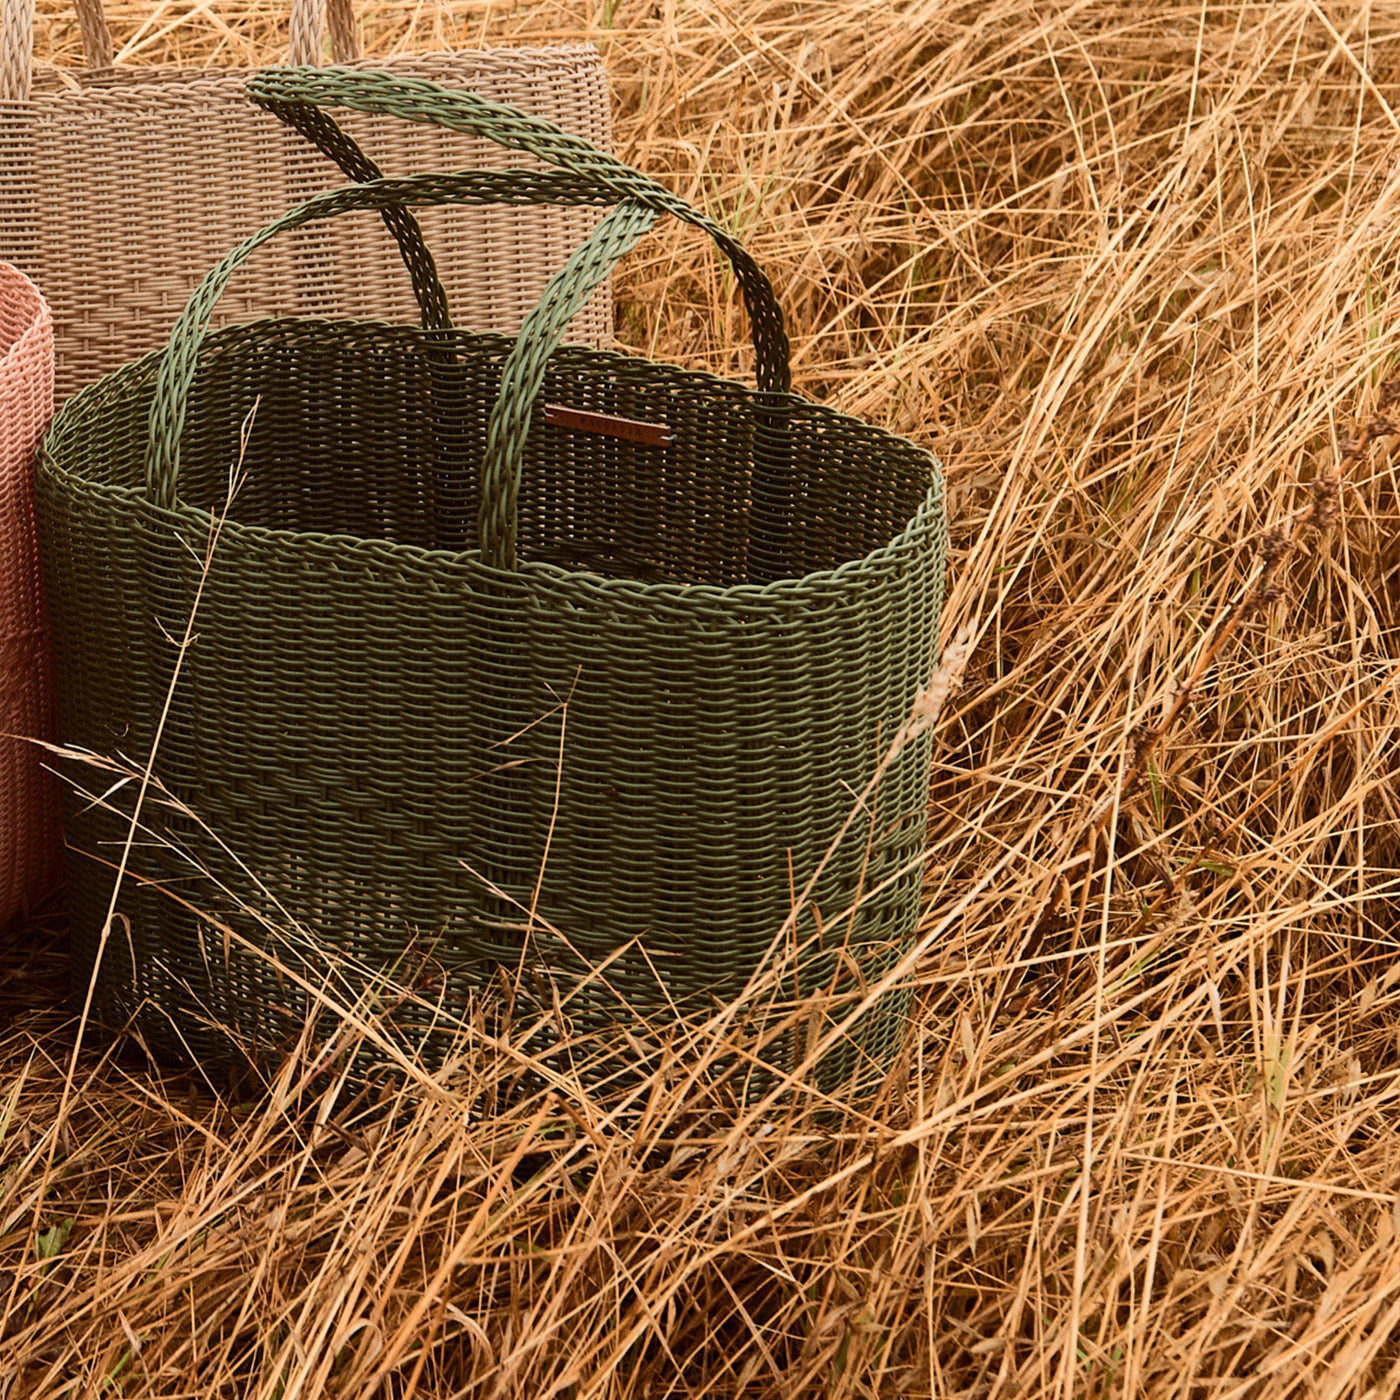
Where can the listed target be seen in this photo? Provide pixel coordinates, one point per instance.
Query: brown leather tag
(630, 429)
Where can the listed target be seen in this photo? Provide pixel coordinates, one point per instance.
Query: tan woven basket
(31, 839)
(116, 198)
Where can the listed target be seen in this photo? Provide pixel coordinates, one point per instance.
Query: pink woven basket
(31, 840)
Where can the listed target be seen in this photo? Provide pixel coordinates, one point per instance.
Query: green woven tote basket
(476, 685)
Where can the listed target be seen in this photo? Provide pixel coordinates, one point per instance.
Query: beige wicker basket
(117, 197)
(31, 839)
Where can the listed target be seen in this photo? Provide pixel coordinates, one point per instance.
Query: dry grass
(1128, 268)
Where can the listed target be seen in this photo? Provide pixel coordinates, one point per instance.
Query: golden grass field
(1129, 270)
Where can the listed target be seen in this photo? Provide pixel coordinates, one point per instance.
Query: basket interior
(377, 432)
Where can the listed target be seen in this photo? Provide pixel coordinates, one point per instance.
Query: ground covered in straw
(1128, 269)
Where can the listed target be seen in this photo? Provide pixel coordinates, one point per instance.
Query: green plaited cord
(181, 356)
(333, 141)
(293, 93)
(524, 372)
(416, 100)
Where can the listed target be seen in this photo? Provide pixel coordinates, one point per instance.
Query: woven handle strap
(177, 370)
(310, 19)
(417, 100)
(17, 44)
(313, 18)
(522, 375)
(97, 38)
(16, 49)
(328, 137)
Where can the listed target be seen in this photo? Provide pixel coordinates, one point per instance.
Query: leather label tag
(629, 429)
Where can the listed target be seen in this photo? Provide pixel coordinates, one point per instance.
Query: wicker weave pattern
(31, 841)
(645, 717)
(117, 199)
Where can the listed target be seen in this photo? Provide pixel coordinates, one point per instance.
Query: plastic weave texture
(31, 837)
(473, 691)
(117, 198)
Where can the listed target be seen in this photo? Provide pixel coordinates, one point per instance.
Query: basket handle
(521, 187)
(586, 175)
(310, 20)
(313, 18)
(296, 95)
(284, 90)
(17, 43)
(323, 132)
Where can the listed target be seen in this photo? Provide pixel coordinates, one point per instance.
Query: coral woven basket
(507, 654)
(31, 839)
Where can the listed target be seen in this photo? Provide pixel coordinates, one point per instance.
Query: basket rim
(128, 83)
(838, 578)
(24, 292)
